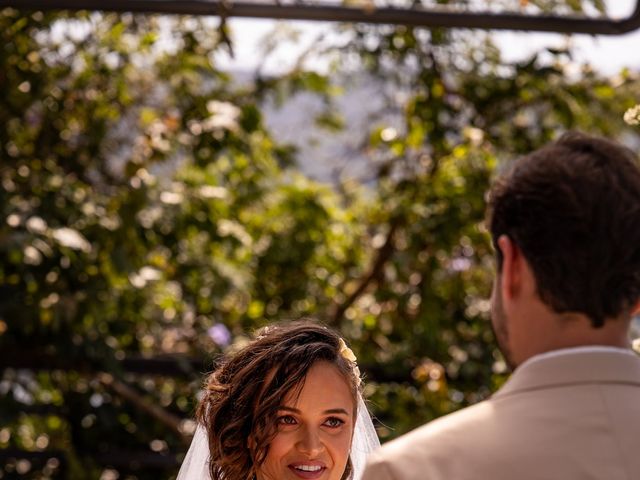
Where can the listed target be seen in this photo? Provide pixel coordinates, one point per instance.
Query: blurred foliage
(146, 212)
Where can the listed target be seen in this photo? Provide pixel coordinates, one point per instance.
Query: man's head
(565, 222)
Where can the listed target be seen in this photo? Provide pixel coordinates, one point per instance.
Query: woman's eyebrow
(337, 410)
(288, 409)
(330, 411)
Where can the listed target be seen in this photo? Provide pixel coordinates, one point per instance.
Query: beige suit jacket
(568, 417)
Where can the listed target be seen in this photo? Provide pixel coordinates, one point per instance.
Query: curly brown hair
(242, 396)
(573, 209)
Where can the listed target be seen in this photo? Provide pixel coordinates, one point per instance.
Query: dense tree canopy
(149, 221)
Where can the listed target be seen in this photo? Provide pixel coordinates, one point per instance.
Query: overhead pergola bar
(335, 13)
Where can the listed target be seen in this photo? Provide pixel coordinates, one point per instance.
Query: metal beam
(327, 13)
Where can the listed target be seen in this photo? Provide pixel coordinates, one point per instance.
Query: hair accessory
(264, 331)
(635, 345)
(348, 354)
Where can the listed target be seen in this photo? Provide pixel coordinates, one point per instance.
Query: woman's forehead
(324, 388)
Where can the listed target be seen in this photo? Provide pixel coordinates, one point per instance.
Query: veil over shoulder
(196, 464)
(365, 440)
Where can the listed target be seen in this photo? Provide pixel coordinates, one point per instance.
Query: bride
(286, 406)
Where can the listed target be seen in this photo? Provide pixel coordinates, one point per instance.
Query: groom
(565, 223)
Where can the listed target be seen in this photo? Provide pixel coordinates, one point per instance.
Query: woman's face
(314, 430)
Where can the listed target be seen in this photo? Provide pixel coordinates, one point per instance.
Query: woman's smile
(308, 470)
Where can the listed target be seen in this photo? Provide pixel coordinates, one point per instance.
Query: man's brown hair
(573, 209)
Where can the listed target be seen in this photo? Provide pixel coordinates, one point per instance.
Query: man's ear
(511, 274)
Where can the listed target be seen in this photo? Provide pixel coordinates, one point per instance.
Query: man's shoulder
(458, 427)
(426, 452)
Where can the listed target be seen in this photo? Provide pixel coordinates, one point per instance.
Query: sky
(607, 53)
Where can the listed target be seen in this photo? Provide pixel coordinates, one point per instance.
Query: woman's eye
(334, 422)
(286, 420)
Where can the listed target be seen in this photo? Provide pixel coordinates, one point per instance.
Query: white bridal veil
(365, 441)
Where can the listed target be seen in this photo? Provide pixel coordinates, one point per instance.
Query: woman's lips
(308, 471)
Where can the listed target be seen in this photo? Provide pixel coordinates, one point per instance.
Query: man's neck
(567, 331)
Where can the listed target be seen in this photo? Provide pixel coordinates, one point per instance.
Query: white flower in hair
(348, 354)
(636, 345)
(264, 331)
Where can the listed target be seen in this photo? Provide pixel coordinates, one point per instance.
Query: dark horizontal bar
(136, 460)
(174, 366)
(410, 17)
(9, 409)
(170, 366)
(41, 456)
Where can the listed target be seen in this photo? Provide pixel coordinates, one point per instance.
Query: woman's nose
(310, 442)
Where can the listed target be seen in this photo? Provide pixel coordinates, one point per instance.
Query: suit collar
(579, 366)
(581, 349)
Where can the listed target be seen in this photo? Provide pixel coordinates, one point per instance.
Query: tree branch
(126, 392)
(382, 256)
